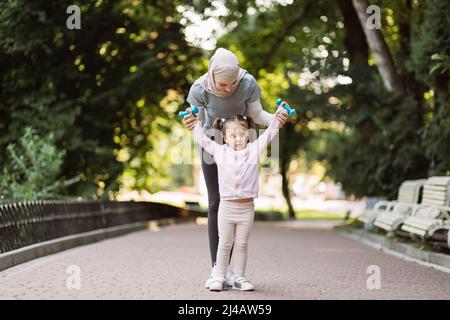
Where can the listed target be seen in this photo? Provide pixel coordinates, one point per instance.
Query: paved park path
(173, 263)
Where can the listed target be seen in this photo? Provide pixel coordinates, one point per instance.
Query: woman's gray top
(241, 101)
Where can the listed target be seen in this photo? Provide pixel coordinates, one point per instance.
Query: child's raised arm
(270, 133)
(202, 139)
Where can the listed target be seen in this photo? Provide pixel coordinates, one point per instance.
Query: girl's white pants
(235, 221)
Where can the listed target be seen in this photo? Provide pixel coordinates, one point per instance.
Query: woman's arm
(201, 116)
(202, 139)
(256, 112)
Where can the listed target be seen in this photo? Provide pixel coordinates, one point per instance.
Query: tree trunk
(284, 168)
(356, 41)
(380, 50)
(358, 52)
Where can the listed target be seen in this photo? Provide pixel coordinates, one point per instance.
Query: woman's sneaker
(217, 285)
(241, 283)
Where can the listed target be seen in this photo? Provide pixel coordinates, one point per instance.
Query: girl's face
(225, 85)
(236, 135)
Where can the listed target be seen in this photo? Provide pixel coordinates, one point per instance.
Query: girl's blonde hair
(221, 123)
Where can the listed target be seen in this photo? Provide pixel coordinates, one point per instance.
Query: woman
(224, 91)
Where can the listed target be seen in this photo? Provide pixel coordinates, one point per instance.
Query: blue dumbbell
(181, 114)
(286, 107)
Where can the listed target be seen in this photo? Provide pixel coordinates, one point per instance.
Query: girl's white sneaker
(229, 278)
(216, 285)
(241, 283)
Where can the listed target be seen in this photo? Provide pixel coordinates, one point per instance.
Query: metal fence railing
(27, 223)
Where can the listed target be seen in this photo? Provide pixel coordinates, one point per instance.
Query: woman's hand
(189, 120)
(282, 114)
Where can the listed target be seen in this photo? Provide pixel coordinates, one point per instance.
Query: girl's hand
(280, 117)
(190, 120)
(282, 114)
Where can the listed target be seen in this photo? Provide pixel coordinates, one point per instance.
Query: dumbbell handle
(182, 114)
(286, 107)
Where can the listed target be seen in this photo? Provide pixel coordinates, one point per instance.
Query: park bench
(392, 220)
(408, 192)
(431, 217)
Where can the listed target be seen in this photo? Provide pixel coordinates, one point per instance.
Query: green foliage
(386, 138)
(442, 63)
(431, 47)
(378, 165)
(109, 92)
(84, 85)
(430, 62)
(32, 169)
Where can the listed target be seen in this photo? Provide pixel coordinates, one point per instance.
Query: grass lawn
(307, 214)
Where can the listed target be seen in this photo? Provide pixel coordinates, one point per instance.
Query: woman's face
(225, 85)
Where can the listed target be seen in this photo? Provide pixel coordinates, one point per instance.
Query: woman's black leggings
(209, 168)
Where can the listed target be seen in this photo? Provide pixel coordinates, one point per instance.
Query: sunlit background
(92, 113)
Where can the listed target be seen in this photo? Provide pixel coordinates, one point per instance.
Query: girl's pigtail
(218, 124)
(252, 136)
(250, 123)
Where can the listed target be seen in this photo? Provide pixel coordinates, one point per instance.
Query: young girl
(237, 166)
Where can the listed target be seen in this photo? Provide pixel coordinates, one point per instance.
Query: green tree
(383, 141)
(430, 62)
(97, 89)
